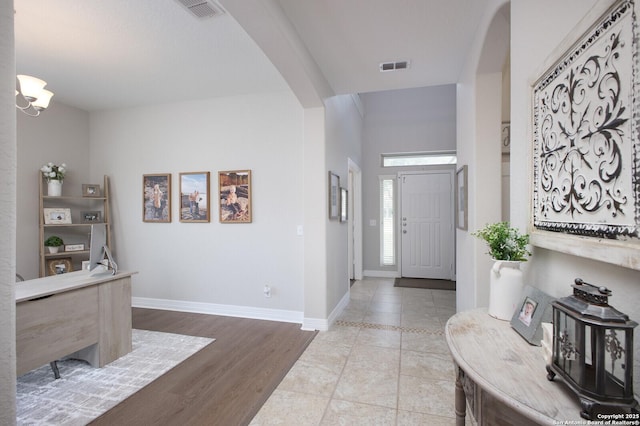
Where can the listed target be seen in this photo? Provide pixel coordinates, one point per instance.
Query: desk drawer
(52, 327)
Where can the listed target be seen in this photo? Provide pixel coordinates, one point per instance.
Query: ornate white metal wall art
(585, 130)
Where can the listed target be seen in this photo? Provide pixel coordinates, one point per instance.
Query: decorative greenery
(53, 241)
(505, 243)
(52, 171)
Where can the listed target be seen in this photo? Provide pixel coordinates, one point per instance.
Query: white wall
(411, 120)
(59, 135)
(538, 28)
(209, 267)
(343, 129)
(7, 217)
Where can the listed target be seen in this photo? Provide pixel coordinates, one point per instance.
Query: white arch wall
(479, 112)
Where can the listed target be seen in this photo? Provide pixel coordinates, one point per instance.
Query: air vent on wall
(201, 8)
(394, 66)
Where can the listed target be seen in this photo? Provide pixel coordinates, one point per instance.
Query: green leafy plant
(505, 243)
(53, 241)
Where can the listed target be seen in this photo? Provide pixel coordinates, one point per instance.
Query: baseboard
(324, 324)
(217, 309)
(381, 274)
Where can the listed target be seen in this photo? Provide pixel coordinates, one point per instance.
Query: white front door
(426, 224)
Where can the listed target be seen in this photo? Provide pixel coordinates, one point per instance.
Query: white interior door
(426, 225)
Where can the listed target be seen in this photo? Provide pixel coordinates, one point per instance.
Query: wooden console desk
(75, 313)
(502, 377)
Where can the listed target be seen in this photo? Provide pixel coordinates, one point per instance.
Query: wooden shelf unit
(75, 232)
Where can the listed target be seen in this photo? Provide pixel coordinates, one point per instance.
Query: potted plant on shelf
(508, 249)
(54, 174)
(53, 243)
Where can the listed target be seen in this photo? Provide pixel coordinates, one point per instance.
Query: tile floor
(384, 362)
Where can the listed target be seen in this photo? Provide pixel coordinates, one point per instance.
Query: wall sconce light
(31, 96)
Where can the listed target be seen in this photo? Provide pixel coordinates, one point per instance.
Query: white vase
(54, 188)
(53, 249)
(506, 289)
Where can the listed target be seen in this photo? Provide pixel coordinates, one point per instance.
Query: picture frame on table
(91, 216)
(57, 216)
(91, 190)
(156, 198)
(60, 265)
(235, 196)
(533, 310)
(194, 197)
(334, 196)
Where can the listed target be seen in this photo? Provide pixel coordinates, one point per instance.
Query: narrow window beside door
(387, 221)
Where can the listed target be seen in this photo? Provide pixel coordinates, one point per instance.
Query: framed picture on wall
(461, 198)
(234, 194)
(334, 195)
(156, 198)
(194, 197)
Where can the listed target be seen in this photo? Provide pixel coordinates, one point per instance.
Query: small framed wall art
(90, 190)
(156, 198)
(234, 188)
(194, 197)
(53, 216)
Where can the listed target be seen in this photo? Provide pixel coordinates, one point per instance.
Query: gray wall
(410, 120)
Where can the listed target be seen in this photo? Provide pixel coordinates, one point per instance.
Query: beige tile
(291, 408)
(345, 336)
(368, 387)
(396, 370)
(407, 418)
(394, 308)
(354, 414)
(380, 338)
(379, 359)
(382, 318)
(427, 365)
(420, 395)
(423, 321)
(332, 357)
(310, 379)
(423, 342)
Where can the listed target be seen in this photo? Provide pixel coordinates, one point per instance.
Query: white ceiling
(98, 54)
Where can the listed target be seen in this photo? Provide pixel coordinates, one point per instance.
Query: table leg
(460, 401)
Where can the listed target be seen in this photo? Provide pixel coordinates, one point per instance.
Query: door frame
(451, 170)
(354, 220)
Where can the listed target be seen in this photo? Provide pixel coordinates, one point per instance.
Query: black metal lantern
(593, 350)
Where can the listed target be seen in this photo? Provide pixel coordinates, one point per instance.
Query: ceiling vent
(394, 66)
(202, 8)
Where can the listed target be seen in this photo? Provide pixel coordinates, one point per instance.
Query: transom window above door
(406, 159)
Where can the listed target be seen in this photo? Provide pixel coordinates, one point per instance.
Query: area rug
(427, 283)
(84, 392)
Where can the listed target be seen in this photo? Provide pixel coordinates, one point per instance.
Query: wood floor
(226, 383)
